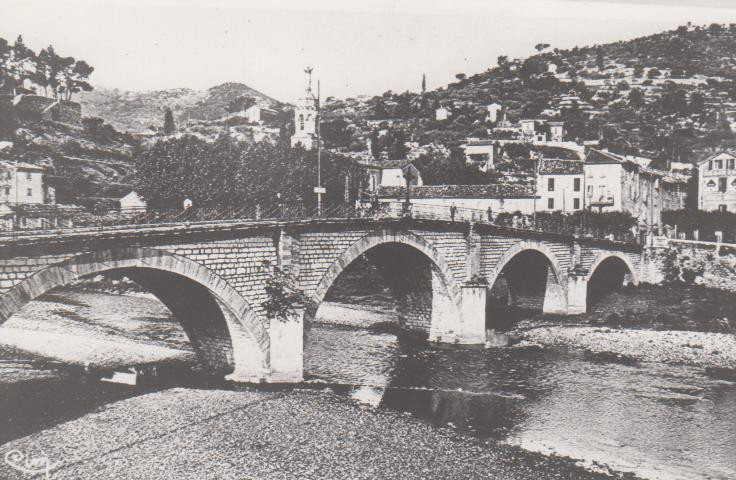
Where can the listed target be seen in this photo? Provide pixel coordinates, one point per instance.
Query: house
(498, 198)
(541, 130)
(391, 173)
(132, 202)
(493, 110)
(717, 182)
(442, 113)
(22, 182)
(480, 153)
(560, 184)
(616, 183)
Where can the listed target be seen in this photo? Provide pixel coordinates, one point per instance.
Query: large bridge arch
(226, 332)
(552, 279)
(441, 292)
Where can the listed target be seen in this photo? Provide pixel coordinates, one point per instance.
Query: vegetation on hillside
(46, 72)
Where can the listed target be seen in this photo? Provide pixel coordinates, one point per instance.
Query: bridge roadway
(214, 276)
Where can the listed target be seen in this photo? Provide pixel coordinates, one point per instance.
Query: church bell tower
(305, 117)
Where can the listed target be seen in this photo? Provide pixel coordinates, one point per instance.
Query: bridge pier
(555, 300)
(473, 314)
(286, 349)
(577, 293)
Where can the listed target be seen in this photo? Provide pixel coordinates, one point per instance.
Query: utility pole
(319, 188)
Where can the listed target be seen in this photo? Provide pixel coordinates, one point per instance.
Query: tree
(599, 58)
(227, 173)
(169, 126)
(653, 73)
(638, 70)
(424, 83)
(461, 76)
(240, 104)
(636, 98)
(541, 46)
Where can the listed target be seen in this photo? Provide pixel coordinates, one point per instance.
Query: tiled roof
(459, 191)
(558, 166)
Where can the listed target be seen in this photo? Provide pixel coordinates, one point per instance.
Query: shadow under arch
(529, 277)
(608, 273)
(437, 301)
(211, 312)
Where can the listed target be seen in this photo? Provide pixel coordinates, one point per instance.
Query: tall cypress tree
(169, 126)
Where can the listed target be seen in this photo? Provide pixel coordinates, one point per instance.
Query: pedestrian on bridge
(453, 211)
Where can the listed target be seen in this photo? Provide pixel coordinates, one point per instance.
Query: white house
(391, 173)
(615, 183)
(132, 202)
(560, 184)
(717, 182)
(21, 182)
(480, 153)
(493, 110)
(442, 113)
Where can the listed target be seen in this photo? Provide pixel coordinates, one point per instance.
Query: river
(659, 421)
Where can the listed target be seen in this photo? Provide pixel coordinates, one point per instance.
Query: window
(29, 192)
(576, 203)
(550, 184)
(301, 122)
(551, 203)
(7, 191)
(731, 163)
(576, 184)
(722, 208)
(719, 164)
(710, 165)
(29, 176)
(8, 175)
(722, 183)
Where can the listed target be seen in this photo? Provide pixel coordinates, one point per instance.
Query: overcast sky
(357, 47)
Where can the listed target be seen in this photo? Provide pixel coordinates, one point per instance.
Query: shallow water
(656, 420)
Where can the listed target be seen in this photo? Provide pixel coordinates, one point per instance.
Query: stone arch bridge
(213, 276)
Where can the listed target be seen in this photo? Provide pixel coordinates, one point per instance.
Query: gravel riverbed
(219, 434)
(703, 349)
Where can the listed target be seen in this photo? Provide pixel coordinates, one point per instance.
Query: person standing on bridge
(453, 211)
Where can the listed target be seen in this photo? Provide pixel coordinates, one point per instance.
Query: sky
(355, 47)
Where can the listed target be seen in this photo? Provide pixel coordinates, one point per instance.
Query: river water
(658, 421)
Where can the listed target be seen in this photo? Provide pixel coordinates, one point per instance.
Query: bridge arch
(220, 323)
(608, 256)
(608, 273)
(522, 266)
(434, 290)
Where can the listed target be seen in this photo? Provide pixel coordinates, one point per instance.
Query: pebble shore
(219, 434)
(702, 349)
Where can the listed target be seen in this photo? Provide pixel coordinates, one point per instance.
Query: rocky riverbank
(702, 349)
(216, 434)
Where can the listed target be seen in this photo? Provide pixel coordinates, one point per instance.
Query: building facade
(717, 182)
(480, 153)
(21, 183)
(614, 183)
(560, 185)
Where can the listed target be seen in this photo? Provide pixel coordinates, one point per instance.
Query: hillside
(135, 112)
(670, 95)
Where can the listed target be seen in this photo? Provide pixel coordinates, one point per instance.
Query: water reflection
(656, 420)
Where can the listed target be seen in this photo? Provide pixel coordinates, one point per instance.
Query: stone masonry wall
(701, 264)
